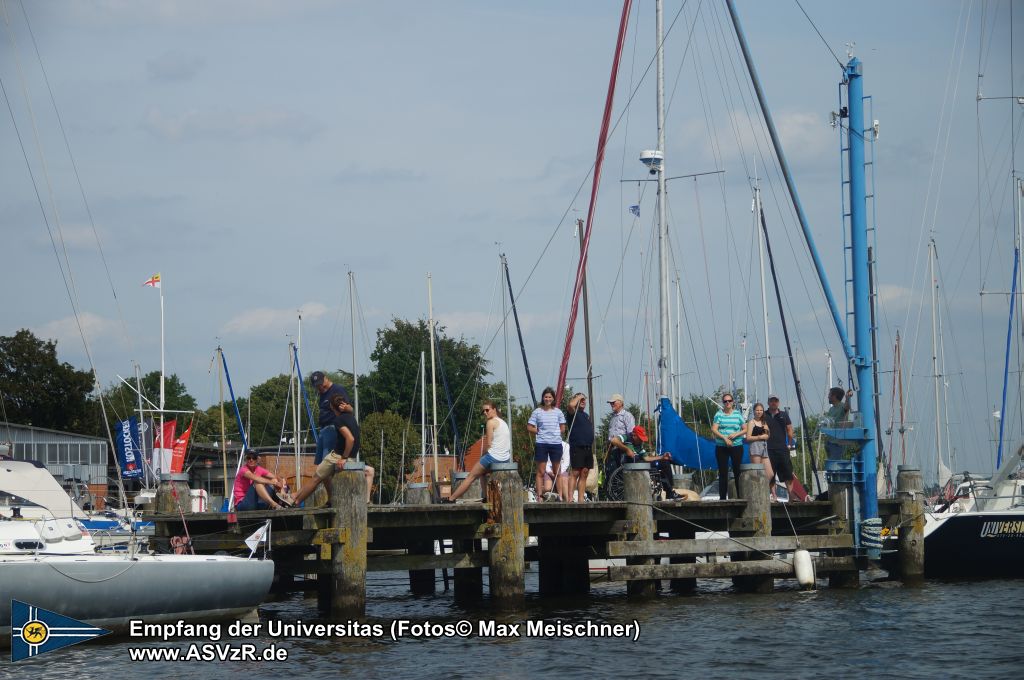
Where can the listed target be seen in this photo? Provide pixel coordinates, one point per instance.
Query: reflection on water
(879, 630)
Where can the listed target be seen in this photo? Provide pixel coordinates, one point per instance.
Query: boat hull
(109, 590)
(976, 544)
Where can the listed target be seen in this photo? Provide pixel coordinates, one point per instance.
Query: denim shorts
(487, 460)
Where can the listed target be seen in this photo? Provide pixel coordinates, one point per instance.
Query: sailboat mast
(423, 417)
(662, 224)
(935, 361)
(223, 426)
(504, 334)
(433, 371)
(586, 324)
(764, 295)
(352, 312)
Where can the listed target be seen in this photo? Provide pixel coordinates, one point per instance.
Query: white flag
(258, 536)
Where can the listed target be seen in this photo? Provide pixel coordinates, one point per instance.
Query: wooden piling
(348, 500)
(754, 490)
(683, 585)
(841, 496)
(475, 492)
(640, 512)
(910, 491)
(506, 555)
(421, 581)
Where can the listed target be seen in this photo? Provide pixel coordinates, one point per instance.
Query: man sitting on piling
(328, 439)
(256, 487)
(347, 431)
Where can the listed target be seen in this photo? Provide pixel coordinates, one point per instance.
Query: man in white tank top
(498, 445)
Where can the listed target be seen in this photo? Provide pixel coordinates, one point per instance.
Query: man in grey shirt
(621, 425)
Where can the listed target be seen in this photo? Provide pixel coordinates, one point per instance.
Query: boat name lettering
(1002, 529)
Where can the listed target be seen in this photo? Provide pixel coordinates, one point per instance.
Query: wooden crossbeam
(779, 568)
(722, 546)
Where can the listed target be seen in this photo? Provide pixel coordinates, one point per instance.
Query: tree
(393, 384)
(40, 390)
(398, 434)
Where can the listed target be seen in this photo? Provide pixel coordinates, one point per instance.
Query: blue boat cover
(686, 446)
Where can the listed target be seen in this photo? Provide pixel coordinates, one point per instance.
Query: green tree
(398, 434)
(393, 383)
(38, 389)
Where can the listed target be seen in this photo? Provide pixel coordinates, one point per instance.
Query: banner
(129, 455)
(162, 452)
(180, 446)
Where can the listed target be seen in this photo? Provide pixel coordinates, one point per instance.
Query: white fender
(804, 567)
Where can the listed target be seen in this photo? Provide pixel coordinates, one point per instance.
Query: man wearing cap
(328, 439)
(346, 430)
(621, 425)
(780, 433)
(256, 487)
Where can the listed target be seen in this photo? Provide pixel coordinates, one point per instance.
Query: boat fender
(804, 567)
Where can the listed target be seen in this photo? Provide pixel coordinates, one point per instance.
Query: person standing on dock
(547, 424)
(328, 439)
(256, 487)
(347, 431)
(728, 428)
(581, 446)
(758, 434)
(498, 445)
(780, 433)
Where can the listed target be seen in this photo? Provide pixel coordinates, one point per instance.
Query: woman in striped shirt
(547, 424)
(728, 429)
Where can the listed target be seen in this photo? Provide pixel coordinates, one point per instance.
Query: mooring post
(348, 500)
(506, 548)
(841, 494)
(475, 492)
(640, 512)
(758, 513)
(683, 585)
(421, 581)
(910, 491)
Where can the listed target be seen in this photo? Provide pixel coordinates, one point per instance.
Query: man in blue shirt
(328, 439)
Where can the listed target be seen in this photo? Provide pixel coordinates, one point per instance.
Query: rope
(824, 42)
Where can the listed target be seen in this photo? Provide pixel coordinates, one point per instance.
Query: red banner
(180, 446)
(162, 451)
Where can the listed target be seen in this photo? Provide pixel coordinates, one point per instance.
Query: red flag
(180, 446)
(162, 450)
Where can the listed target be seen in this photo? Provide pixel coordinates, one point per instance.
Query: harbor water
(879, 630)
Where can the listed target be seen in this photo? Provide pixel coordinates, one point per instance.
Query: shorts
(782, 464)
(581, 457)
(487, 460)
(546, 452)
(329, 465)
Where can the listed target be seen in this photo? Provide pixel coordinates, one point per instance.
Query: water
(881, 630)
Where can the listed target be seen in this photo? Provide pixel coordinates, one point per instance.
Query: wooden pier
(339, 544)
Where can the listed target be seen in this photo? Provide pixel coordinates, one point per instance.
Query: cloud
(263, 319)
(65, 331)
(174, 66)
(205, 125)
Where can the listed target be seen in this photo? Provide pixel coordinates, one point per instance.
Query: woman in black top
(757, 436)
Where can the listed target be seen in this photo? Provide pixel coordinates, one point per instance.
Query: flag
(129, 453)
(35, 631)
(635, 209)
(153, 281)
(258, 536)
(162, 451)
(178, 450)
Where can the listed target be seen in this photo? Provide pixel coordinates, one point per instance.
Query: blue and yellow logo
(35, 631)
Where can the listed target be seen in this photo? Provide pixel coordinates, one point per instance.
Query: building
(77, 462)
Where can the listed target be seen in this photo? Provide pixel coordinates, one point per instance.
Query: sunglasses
(727, 401)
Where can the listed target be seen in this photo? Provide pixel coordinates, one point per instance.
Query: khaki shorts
(329, 465)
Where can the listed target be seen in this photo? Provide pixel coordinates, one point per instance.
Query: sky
(253, 153)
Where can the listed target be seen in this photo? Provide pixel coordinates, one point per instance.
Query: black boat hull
(975, 545)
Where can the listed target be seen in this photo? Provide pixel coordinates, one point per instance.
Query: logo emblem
(35, 631)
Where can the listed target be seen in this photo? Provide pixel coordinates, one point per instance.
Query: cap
(252, 453)
(316, 378)
(640, 433)
(773, 398)
(616, 397)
